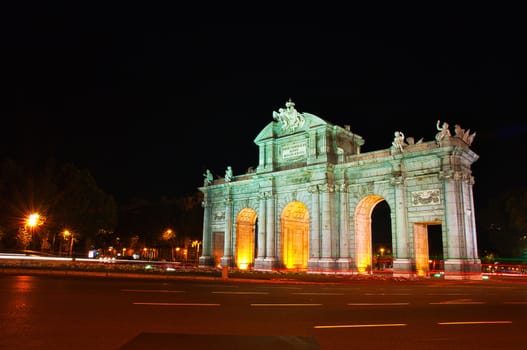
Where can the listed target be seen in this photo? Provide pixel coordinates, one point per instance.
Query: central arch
(295, 242)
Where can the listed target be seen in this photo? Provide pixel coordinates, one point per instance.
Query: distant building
(308, 205)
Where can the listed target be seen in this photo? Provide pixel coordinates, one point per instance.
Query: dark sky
(147, 98)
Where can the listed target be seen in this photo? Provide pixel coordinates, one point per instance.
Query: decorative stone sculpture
(289, 117)
(443, 131)
(466, 136)
(208, 178)
(398, 141)
(228, 174)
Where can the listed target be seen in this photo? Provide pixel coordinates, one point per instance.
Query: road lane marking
(447, 294)
(472, 322)
(363, 325)
(377, 304)
(516, 302)
(387, 294)
(176, 304)
(314, 293)
(240, 292)
(152, 291)
(458, 302)
(286, 304)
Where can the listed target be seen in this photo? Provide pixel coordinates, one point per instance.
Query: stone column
(452, 224)
(343, 262)
(327, 259)
(262, 237)
(206, 258)
(470, 221)
(314, 232)
(453, 245)
(474, 268)
(402, 261)
(460, 262)
(270, 256)
(262, 228)
(227, 259)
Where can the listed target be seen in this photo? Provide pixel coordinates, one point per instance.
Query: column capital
(327, 187)
(397, 180)
(446, 174)
(265, 195)
(341, 187)
(312, 189)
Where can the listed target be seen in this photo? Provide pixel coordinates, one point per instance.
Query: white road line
(447, 294)
(377, 304)
(387, 294)
(458, 302)
(240, 292)
(152, 291)
(472, 322)
(286, 304)
(176, 304)
(318, 293)
(363, 325)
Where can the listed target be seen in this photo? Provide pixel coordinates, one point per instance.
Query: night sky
(148, 98)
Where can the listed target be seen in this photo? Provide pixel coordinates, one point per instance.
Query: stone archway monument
(308, 204)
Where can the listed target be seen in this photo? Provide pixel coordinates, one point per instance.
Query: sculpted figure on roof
(290, 118)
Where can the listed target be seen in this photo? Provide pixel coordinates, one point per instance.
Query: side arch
(363, 234)
(245, 238)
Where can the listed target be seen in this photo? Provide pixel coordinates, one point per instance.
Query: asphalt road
(49, 312)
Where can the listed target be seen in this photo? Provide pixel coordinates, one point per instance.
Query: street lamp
(381, 263)
(33, 220)
(169, 236)
(69, 234)
(196, 244)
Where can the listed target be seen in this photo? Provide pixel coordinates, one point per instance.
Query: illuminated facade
(308, 205)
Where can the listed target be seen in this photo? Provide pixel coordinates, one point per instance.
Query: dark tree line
(145, 223)
(68, 200)
(502, 225)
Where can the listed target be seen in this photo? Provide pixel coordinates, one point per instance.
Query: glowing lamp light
(33, 220)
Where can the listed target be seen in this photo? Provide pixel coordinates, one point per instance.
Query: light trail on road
(176, 304)
(363, 325)
(286, 304)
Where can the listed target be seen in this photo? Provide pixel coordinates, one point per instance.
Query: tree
(82, 206)
(148, 220)
(67, 197)
(516, 206)
(502, 224)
